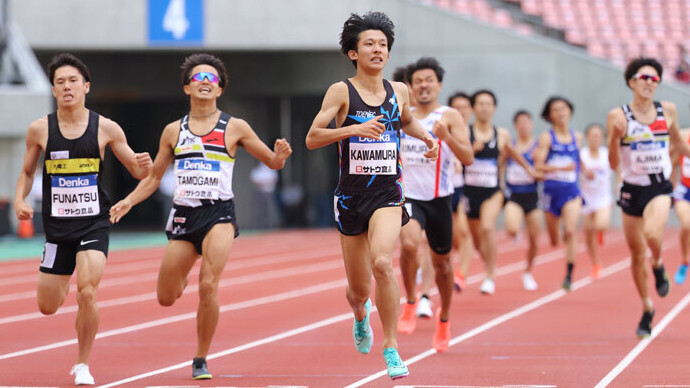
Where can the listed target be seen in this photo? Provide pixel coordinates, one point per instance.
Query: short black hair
(473, 99)
(66, 59)
(408, 73)
(427, 63)
(356, 24)
(635, 65)
(197, 59)
(459, 95)
(399, 74)
(546, 112)
(520, 113)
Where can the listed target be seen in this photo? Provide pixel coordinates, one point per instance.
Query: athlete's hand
(589, 174)
(432, 144)
(282, 149)
(458, 166)
(119, 210)
(477, 145)
(536, 174)
(568, 167)
(143, 160)
(23, 210)
(441, 130)
(371, 129)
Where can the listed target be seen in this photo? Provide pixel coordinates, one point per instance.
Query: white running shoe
(424, 308)
(488, 287)
(528, 282)
(82, 375)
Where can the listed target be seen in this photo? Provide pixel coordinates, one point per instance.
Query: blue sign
(176, 22)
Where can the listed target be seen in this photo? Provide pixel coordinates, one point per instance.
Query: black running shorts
(354, 209)
(193, 223)
(633, 199)
(472, 201)
(436, 218)
(60, 257)
(526, 201)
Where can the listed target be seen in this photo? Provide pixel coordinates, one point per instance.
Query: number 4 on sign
(175, 21)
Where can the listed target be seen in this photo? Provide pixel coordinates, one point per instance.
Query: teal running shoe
(681, 274)
(396, 366)
(362, 333)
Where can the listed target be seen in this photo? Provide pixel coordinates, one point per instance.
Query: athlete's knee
(568, 234)
(208, 289)
(409, 245)
(382, 268)
(47, 308)
(86, 296)
(652, 235)
(358, 294)
(443, 266)
(166, 298)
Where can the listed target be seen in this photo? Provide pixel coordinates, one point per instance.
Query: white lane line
(502, 319)
(545, 258)
(656, 330)
(281, 273)
(477, 386)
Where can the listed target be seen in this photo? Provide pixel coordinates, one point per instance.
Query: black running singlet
(367, 163)
(482, 174)
(74, 199)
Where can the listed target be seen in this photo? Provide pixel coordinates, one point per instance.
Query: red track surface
(285, 322)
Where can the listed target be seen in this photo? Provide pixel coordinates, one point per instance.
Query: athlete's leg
(533, 221)
(465, 243)
(384, 229)
(178, 260)
(90, 267)
(602, 219)
(51, 291)
(488, 214)
(444, 281)
(634, 235)
(410, 237)
(589, 224)
(683, 212)
(426, 265)
(512, 218)
(655, 216)
(358, 272)
(571, 214)
(552, 222)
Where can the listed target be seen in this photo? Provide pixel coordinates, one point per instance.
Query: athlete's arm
(335, 103)
(138, 164)
(542, 152)
(250, 141)
(615, 126)
(584, 170)
(509, 151)
(674, 129)
(453, 130)
(150, 183)
(409, 125)
(36, 137)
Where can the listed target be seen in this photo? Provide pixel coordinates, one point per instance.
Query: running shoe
(396, 366)
(362, 333)
(199, 369)
(82, 376)
(424, 308)
(458, 281)
(661, 281)
(528, 281)
(442, 335)
(408, 321)
(681, 274)
(596, 271)
(488, 287)
(567, 283)
(644, 329)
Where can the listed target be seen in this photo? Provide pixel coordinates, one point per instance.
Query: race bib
(482, 173)
(197, 179)
(560, 175)
(374, 157)
(685, 168)
(412, 151)
(517, 176)
(648, 157)
(74, 196)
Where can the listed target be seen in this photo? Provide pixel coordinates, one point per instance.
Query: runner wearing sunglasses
(202, 145)
(76, 204)
(641, 134)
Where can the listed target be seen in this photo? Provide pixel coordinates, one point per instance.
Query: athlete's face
(644, 87)
(484, 107)
(204, 89)
(524, 125)
(595, 137)
(425, 86)
(372, 50)
(69, 88)
(560, 113)
(463, 106)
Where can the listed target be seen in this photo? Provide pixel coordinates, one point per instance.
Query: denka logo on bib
(382, 137)
(73, 182)
(197, 164)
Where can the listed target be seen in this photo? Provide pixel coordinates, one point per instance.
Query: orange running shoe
(596, 271)
(458, 281)
(442, 334)
(408, 319)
